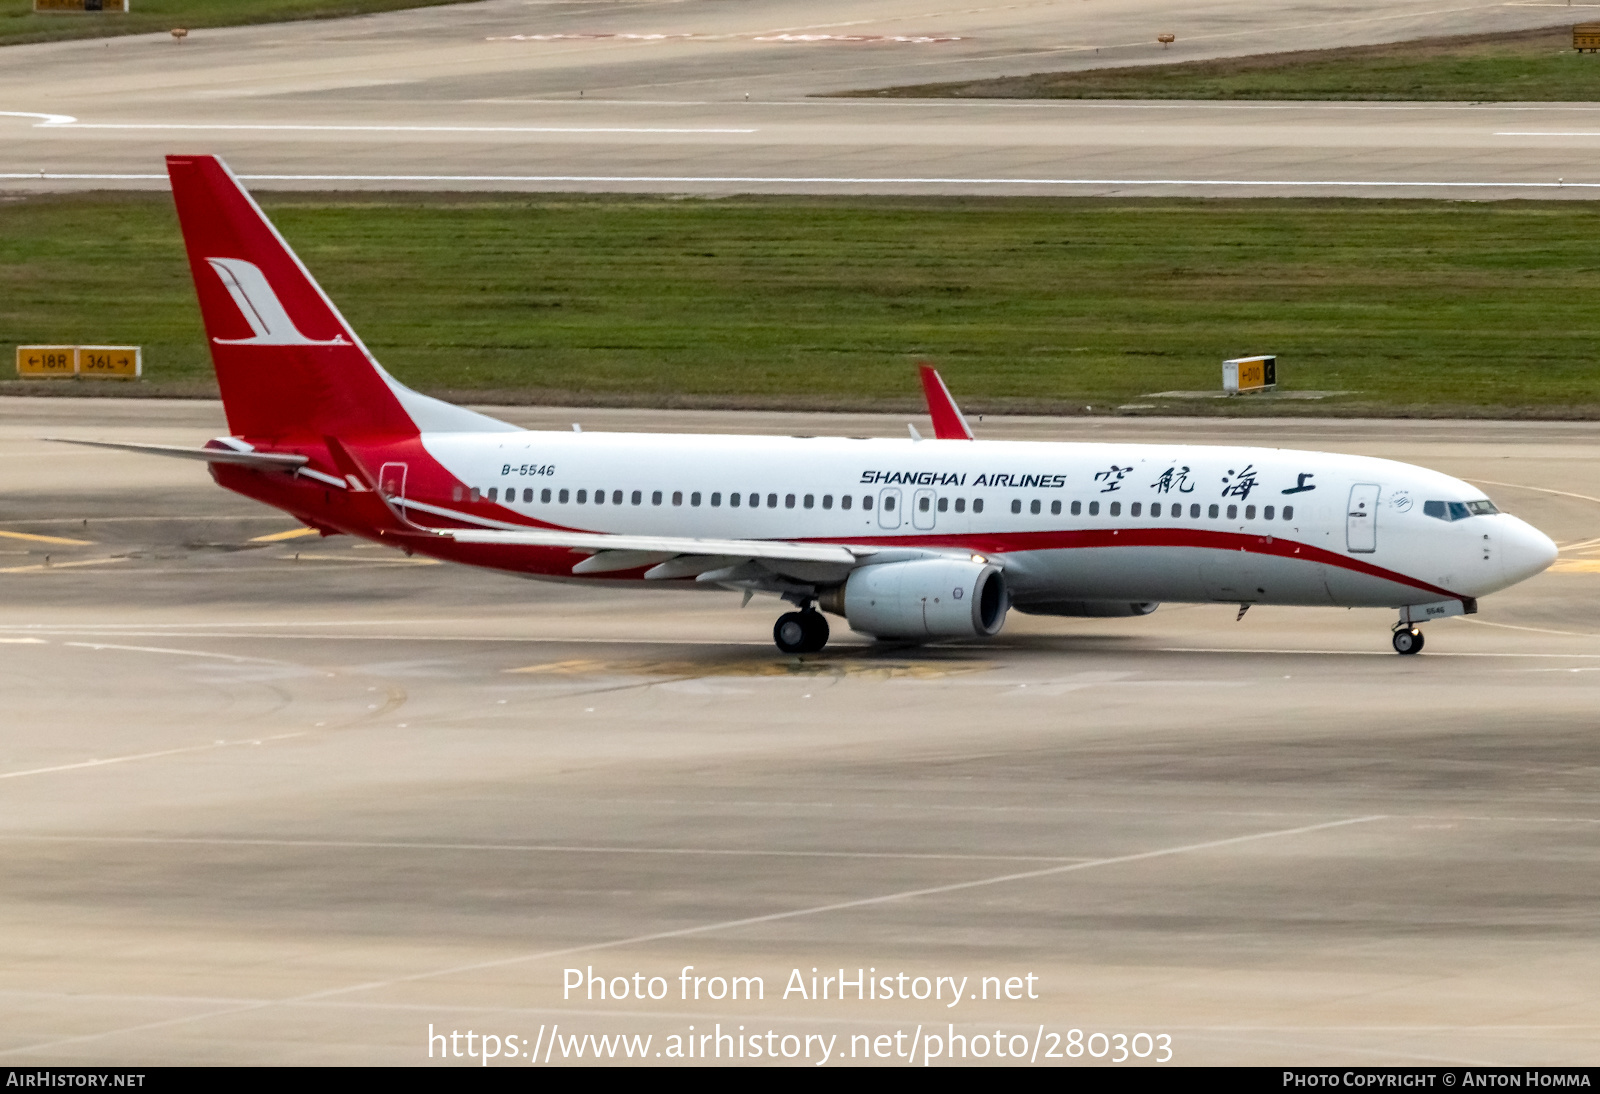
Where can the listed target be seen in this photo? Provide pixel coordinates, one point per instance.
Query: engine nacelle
(924, 598)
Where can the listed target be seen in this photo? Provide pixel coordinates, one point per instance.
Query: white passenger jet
(905, 539)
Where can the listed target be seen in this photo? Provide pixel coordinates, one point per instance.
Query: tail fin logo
(261, 308)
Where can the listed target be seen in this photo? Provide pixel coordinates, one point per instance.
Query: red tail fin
(288, 364)
(948, 423)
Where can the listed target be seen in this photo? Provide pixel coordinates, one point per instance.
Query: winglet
(948, 424)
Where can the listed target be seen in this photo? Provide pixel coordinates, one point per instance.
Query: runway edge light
(1243, 375)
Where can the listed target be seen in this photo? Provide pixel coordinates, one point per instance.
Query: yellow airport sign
(81, 5)
(119, 362)
(1244, 374)
(113, 362)
(47, 361)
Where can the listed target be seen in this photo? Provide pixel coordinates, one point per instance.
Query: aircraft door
(889, 508)
(392, 481)
(923, 510)
(1361, 520)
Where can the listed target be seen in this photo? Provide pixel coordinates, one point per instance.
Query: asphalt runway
(292, 800)
(709, 98)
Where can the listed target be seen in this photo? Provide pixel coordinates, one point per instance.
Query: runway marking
(830, 180)
(145, 756)
(1536, 489)
(31, 537)
(391, 128)
(24, 641)
(180, 653)
(278, 537)
(537, 848)
(1386, 653)
(706, 928)
(761, 667)
(1534, 630)
(46, 567)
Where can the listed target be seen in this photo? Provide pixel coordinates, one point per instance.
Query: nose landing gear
(804, 631)
(1407, 639)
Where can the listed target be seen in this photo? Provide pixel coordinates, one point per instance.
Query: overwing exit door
(1361, 519)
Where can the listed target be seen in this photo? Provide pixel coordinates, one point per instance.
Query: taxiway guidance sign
(114, 362)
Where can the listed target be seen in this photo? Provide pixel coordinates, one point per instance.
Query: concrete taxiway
(700, 97)
(275, 799)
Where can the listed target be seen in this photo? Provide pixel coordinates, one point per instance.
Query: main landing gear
(1407, 639)
(804, 631)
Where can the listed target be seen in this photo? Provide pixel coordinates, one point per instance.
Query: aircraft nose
(1524, 550)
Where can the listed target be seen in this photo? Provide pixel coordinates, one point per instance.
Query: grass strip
(1520, 66)
(1418, 307)
(20, 24)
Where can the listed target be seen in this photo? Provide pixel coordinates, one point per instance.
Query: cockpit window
(1458, 510)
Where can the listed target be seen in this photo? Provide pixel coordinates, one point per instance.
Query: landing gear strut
(804, 631)
(1407, 639)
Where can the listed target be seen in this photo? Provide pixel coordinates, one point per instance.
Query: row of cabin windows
(846, 501)
(1174, 510)
(658, 497)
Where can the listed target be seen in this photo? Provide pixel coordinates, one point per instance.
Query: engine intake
(925, 598)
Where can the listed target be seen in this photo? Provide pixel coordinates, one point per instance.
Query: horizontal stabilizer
(262, 460)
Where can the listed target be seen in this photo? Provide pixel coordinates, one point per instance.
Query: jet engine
(924, 598)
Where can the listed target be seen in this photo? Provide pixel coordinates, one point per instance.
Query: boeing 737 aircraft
(905, 539)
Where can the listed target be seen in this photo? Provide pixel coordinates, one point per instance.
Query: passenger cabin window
(1249, 512)
(1033, 507)
(1233, 512)
(810, 501)
(694, 498)
(772, 501)
(1016, 505)
(827, 501)
(944, 505)
(1116, 508)
(677, 497)
(755, 501)
(638, 497)
(734, 500)
(1155, 509)
(961, 505)
(788, 501)
(494, 493)
(716, 500)
(846, 501)
(1266, 514)
(977, 505)
(1133, 510)
(888, 503)
(1194, 511)
(1288, 512)
(1094, 509)
(866, 501)
(563, 497)
(475, 494)
(655, 498)
(1077, 508)
(544, 495)
(1212, 512)
(1055, 508)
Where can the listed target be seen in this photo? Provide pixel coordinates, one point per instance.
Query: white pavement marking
(177, 653)
(389, 128)
(535, 848)
(706, 928)
(824, 180)
(1536, 489)
(1378, 653)
(145, 756)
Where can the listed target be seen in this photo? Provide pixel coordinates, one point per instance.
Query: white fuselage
(1068, 521)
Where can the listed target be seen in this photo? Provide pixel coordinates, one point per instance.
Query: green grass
(19, 23)
(1421, 307)
(1521, 66)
